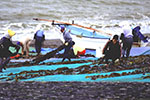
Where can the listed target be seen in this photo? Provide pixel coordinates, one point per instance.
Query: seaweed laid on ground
(125, 64)
(138, 62)
(20, 64)
(94, 77)
(48, 55)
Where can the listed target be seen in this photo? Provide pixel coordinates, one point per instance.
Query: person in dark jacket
(39, 39)
(112, 50)
(68, 51)
(5, 53)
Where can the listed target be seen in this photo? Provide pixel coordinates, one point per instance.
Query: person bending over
(68, 44)
(5, 53)
(112, 50)
(25, 43)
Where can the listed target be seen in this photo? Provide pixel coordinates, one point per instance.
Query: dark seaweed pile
(17, 90)
(141, 63)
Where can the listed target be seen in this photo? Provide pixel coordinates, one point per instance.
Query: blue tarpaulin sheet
(80, 77)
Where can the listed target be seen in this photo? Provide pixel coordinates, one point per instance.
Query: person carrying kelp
(127, 39)
(39, 39)
(5, 53)
(68, 44)
(112, 50)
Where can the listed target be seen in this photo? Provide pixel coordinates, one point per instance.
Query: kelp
(139, 64)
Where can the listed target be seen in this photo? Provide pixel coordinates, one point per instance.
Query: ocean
(104, 15)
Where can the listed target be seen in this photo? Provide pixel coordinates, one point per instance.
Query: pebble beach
(74, 91)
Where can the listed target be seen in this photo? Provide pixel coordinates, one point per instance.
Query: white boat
(87, 38)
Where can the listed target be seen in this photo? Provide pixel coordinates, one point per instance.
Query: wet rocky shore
(74, 91)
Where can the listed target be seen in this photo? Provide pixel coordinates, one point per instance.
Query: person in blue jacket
(138, 34)
(68, 44)
(5, 53)
(39, 39)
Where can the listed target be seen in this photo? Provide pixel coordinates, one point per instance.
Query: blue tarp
(81, 77)
(136, 51)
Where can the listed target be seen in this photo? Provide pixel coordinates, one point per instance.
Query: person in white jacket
(127, 39)
(25, 43)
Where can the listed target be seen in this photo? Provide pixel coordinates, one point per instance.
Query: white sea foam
(103, 15)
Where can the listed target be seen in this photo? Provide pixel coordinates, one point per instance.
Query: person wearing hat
(66, 35)
(68, 43)
(5, 53)
(39, 39)
(127, 39)
(112, 50)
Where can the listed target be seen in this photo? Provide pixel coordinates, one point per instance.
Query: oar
(65, 23)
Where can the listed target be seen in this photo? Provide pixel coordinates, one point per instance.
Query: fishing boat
(87, 38)
(83, 36)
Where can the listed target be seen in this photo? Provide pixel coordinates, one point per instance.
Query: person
(112, 50)
(68, 51)
(39, 37)
(78, 51)
(137, 34)
(127, 40)
(66, 35)
(5, 53)
(68, 44)
(25, 43)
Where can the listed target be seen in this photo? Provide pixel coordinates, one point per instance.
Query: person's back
(67, 36)
(24, 43)
(39, 39)
(39, 36)
(127, 31)
(127, 40)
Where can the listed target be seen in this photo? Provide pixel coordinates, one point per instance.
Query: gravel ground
(74, 91)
